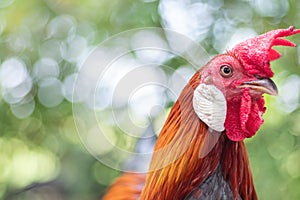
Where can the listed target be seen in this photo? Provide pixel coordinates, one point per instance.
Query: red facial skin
(244, 106)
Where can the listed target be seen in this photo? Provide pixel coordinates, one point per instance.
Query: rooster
(200, 152)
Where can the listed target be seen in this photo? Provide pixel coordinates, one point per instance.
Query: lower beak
(265, 85)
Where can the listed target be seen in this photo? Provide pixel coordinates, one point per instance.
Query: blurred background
(45, 43)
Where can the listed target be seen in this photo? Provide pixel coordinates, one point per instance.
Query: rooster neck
(235, 167)
(223, 172)
(187, 153)
(232, 178)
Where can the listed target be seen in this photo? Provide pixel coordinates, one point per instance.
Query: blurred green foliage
(41, 156)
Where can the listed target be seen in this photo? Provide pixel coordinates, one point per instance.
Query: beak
(265, 85)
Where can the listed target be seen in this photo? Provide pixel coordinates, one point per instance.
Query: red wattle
(244, 117)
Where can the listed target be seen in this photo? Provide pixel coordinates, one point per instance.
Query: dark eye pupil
(226, 70)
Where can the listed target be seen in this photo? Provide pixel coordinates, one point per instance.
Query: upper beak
(264, 85)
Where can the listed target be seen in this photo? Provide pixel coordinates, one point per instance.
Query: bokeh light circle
(127, 86)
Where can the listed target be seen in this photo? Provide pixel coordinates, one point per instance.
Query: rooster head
(229, 96)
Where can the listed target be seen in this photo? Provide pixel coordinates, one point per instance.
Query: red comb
(256, 53)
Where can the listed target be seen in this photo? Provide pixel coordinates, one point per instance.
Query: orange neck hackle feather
(187, 153)
(126, 187)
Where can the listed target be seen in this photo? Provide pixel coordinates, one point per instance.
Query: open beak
(264, 85)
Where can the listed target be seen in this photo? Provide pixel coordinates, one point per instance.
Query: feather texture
(127, 187)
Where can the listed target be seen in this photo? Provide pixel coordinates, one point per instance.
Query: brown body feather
(186, 154)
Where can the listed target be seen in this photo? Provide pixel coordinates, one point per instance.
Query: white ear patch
(210, 105)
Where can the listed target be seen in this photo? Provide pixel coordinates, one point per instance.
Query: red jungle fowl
(200, 152)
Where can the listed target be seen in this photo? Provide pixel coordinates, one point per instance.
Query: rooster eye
(225, 71)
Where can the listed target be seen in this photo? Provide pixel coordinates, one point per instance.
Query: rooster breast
(215, 187)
